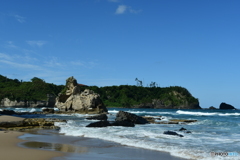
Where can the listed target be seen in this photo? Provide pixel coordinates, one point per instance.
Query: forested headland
(129, 96)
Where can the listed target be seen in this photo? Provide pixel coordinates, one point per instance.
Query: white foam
(196, 113)
(141, 112)
(230, 114)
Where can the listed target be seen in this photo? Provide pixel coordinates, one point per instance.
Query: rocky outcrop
(125, 116)
(123, 119)
(212, 107)
(226, 106)
(161, 120)
(31, 123)
(72, 99)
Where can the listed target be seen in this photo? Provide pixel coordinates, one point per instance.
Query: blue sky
(190, 43)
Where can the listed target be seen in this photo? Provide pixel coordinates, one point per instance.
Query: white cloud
(36, 43)
(121, 9)
(19, 18)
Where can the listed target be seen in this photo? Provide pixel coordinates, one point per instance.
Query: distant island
(127, 96)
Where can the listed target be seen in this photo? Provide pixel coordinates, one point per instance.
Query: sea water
(215, 135)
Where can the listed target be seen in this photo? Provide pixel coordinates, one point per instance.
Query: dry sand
(9, 149)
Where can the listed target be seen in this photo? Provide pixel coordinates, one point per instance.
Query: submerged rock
(156, 120)
(172, 133)
(184, 130)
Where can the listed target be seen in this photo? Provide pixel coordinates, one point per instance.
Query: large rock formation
(226, 106)
(72, 99)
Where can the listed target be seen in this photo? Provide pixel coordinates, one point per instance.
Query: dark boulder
(102, 117)
(172, 133)
(125, 116)
(184, 130)
(99, 124)
(212, 107)
(123, 123)
(226, 106)
(7, 112)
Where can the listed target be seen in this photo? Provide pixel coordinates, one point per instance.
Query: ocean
(215, 135)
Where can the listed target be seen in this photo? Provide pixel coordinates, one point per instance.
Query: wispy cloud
(13, 61)
(21, 65)
(53, 62)
(86, 64)
(5, 56)
(10, 44)
(124, 8)
(19, 18)
(134, 11)
(36, 43)
(121, 9)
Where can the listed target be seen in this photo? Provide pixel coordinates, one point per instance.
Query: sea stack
(72, 99)
(226, 106)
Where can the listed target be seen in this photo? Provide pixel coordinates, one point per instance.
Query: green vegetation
(127, 96)
(112, 96)
(35, 90)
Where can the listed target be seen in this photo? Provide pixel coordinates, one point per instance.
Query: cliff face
(175, 100)
(31, 104)
(72, 99)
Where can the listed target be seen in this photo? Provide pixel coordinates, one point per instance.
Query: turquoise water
(215, 131)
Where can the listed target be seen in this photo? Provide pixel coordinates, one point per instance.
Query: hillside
(36, 90)
(173, 97)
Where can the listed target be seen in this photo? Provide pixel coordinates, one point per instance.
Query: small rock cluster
(31, 123)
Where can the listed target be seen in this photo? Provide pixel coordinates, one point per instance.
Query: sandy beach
(49, 146)
(9, 149)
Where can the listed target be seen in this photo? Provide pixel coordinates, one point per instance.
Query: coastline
(75, 147)
(14, 146)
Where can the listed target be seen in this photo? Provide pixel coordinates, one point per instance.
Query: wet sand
(89, 148)
(9, 149)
